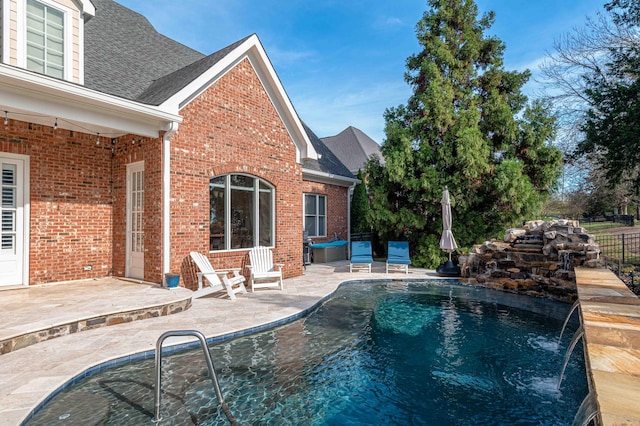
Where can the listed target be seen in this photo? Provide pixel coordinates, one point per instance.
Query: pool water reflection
(391, 353)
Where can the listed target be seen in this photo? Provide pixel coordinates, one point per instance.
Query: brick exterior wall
(337, 208)
(132, 149)
(78, 187)
(233, 128)
(71, 201)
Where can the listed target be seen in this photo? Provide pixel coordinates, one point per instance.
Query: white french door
(135, 221)
(13, 214)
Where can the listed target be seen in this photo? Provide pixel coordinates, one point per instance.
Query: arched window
(241, 212)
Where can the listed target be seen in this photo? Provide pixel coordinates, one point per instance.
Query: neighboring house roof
(353, 147)
(327, 162)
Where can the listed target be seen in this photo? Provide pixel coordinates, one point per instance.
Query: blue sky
(342, 62)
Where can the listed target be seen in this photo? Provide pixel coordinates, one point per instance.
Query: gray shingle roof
(165, 87)
(353, 147)
(327, 161)
(124, 54)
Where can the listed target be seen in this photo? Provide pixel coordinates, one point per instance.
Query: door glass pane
(137, 211)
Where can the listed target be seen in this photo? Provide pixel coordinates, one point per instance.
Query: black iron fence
(624, 248)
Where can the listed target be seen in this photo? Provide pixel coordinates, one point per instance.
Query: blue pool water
(392, 353)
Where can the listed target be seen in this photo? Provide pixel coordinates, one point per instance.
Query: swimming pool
(390, 353)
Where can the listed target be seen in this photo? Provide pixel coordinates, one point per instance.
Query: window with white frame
(315, 215)
(45, 39)
(241, 212)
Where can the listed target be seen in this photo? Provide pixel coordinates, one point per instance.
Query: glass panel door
(135, 221)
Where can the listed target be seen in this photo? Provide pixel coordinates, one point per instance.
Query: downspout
(349, 197)
(166, 198)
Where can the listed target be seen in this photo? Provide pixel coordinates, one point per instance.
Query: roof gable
(219, 64)
(126, 57)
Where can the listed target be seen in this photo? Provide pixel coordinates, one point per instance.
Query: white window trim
(68, 35)
(6, 31)
(256, 215)
(317, 215)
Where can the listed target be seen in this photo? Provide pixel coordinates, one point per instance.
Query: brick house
(123, 150)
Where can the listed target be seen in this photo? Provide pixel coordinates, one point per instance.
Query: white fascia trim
(6, 31)
(328, 178)
(23, 91)
(87, 9)
(253, 50)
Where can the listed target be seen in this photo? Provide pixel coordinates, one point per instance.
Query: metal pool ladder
(207, 357)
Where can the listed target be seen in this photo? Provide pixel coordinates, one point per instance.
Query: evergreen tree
(467, 126)
(360, 209)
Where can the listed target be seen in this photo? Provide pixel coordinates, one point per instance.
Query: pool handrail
(207, 357)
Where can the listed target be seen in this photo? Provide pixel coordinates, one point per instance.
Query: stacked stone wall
(537, 259)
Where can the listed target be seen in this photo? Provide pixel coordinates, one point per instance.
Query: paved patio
(29, 373)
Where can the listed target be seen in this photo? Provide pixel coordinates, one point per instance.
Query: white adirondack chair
(264, 273)
(214, 277)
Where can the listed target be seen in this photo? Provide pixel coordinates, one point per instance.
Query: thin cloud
(289, 56)
(357, 105)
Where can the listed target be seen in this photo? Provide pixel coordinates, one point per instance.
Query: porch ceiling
(35, 98)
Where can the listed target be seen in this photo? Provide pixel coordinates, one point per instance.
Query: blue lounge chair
(398, 256)
(361, 257)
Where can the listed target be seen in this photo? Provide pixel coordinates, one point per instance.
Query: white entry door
(13, 256)
(135, 221)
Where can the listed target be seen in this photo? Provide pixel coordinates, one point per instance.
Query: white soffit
(40, 99)
(329, 178)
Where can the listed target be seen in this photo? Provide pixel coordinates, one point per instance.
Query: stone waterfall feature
(537, 259)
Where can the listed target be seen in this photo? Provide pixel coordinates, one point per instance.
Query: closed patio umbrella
(447, 241)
